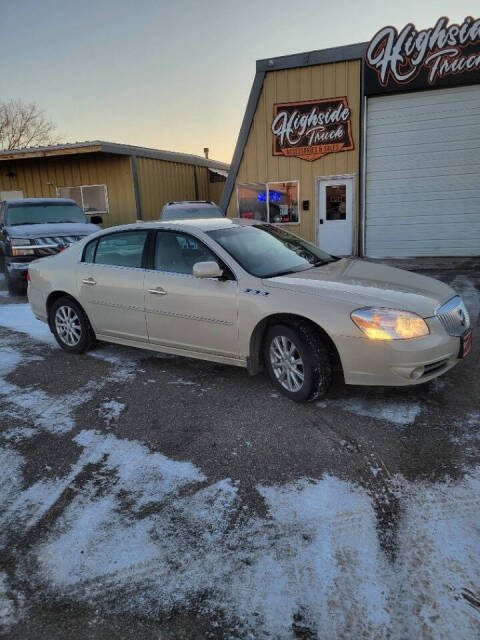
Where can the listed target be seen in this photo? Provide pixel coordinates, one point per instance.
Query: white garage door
(423, 174)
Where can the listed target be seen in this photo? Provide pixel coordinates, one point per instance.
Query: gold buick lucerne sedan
(250, 294)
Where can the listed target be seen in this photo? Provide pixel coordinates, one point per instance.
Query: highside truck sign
(444, 55)
(311, 129)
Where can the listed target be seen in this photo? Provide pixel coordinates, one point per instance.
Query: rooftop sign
(443, 55)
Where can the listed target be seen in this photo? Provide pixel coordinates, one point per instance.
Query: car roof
(200, 224)
(21, 201)
(193, 203)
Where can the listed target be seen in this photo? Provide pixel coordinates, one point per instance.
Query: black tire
(316, 364)
(67, 308)
(15, 287)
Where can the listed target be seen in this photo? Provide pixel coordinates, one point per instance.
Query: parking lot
(154, 496)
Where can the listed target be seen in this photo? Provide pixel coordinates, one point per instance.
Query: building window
(252, 201)
(93, 198)
(275, 202)
(336, 198)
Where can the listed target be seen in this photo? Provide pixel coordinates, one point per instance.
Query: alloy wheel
(68, 326)
(287, 363)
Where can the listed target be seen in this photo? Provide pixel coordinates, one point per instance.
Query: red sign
(311, 129)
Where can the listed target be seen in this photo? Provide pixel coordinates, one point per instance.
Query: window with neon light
(275, 202)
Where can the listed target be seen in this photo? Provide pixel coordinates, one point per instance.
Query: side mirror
(207, 270)
(96, 219)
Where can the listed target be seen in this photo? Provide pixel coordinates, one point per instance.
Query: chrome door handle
(89, 281)
(158, 291)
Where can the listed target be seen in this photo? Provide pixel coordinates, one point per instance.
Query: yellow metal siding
(260, 165)
(216, 190)
(160, 182)
(203, 184)
(39, 178)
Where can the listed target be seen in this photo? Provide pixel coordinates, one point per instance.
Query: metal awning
(220, 172)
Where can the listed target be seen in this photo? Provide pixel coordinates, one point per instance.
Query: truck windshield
(49, 212)
(266, 251)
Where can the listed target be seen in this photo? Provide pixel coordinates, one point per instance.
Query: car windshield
(48, 212)
(266, 251)
(187, 213)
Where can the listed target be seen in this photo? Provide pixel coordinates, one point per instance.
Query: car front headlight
(389, 324)
(20, 247)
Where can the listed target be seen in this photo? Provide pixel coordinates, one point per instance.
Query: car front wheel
(298, 362)
(70, 326)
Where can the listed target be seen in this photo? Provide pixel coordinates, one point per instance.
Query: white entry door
(335, 215)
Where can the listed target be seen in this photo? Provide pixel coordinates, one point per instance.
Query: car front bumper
(398, 362)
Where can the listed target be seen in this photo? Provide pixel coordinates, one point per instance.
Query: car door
(110, 284)
(182, 311)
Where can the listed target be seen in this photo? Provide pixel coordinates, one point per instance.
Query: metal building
(122, 183)
(370, 149)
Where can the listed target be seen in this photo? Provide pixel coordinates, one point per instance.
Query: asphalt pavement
(152, 496)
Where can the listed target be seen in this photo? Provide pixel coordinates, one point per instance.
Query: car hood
(51, 230)
(367, 284)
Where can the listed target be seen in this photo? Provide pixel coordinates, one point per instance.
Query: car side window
(178, 252)
(123, 249)
(89, 253)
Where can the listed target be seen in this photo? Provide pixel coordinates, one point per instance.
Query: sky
(174, 74)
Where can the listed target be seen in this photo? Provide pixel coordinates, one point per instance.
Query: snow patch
(9, 360)
(184, 383)
(399, 412)
(439, 539)
(48, 412)
(11, 603)
(19, 317)
(110, 411)
(139, 537)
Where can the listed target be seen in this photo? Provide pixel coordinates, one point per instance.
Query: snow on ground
(145, 533)
(37, 407)
(313, 563)
(9, 360)
(400, 412)
(110, 411)
(439, 539)
(126, 361)
(11, 603)
(19, 317)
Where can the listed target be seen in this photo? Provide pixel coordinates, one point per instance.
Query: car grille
(454, 316)
(44, 246)
(434, 366)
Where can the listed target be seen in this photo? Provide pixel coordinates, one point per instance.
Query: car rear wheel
(70, 326)
(298, 362)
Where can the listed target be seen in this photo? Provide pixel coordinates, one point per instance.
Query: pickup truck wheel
(298, 362)
(70, 326)
(16, 287)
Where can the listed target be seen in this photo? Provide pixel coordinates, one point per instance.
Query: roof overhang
(45, 152)
(220, 172)
(99, 146)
